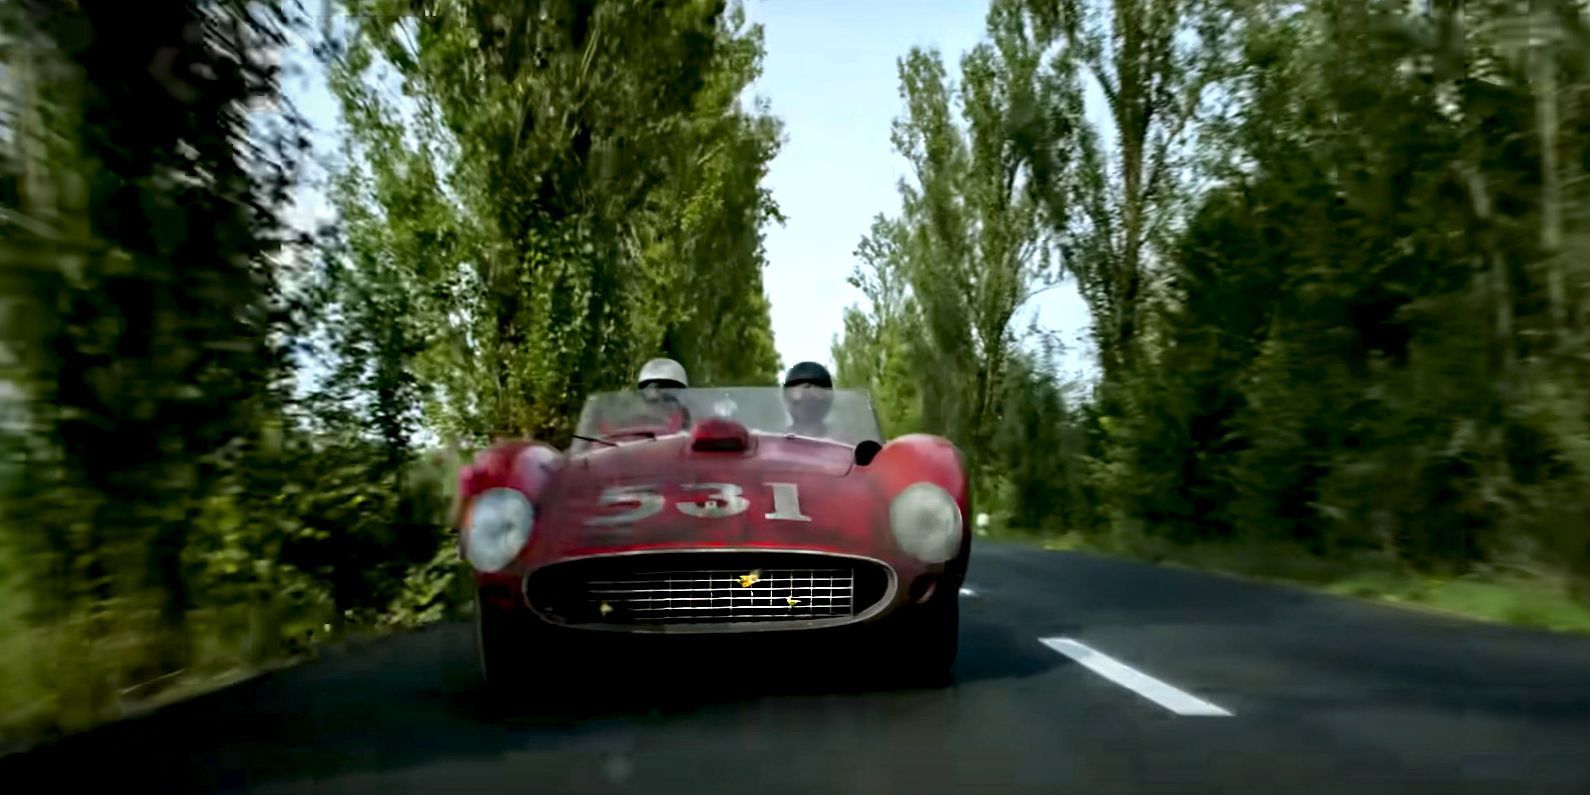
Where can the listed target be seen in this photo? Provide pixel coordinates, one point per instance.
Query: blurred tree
(138, 253)
(1364, 313)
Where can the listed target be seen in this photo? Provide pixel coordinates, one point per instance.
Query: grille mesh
(706, 588)
(718, 595)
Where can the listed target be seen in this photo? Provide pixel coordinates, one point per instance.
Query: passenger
(659, 382)
(808, 396)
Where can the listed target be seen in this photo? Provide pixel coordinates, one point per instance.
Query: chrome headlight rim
(500, 523)
(926, 522)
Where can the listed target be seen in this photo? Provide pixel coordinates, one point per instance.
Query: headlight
(499, 526)
(926, 522)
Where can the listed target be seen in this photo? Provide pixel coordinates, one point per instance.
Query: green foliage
(879, 347)
(532, 199)
(1364, 312)
(943, 281)
(218, 443)
(1334, 260)
(144, 369)
(431, 592)
(1041, 444)
(553, 193)
(1334, 257)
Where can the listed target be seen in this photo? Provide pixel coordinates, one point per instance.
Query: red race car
(707, 515)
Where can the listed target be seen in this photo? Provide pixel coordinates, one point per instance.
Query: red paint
(847, 504)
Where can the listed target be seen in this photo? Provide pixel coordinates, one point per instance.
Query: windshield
(627, 416)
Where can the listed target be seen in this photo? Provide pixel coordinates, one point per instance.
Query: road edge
(185, 689)
(1294, 585)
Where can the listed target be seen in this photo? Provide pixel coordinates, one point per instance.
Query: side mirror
(866, 451)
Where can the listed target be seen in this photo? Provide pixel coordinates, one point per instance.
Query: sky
(830, 75)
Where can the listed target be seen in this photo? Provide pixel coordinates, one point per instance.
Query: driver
(659, 383)
(808, 395)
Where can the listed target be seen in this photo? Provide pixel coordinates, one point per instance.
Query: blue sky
(830, 75)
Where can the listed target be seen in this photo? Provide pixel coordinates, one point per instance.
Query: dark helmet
(808, 393)
(809, 373)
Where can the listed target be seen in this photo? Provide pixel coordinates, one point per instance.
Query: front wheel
(927, 640)
(502, 646)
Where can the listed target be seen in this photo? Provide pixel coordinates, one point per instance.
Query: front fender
(918, 457)
(527, 466)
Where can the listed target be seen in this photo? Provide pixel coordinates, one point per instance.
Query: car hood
(782, 492)
(767, 452)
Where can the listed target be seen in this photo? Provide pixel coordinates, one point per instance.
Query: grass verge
(62, 678)
(1535, 598)
(43, 698)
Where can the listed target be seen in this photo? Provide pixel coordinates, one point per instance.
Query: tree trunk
(1543, 73)
(264, 626)
(38, 195)
(1127, 310)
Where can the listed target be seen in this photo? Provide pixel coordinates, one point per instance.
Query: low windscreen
(630, 415)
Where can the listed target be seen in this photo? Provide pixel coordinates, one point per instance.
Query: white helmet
(663, 370)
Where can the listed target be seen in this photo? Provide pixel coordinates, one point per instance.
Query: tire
(927, 641)
(503, 649)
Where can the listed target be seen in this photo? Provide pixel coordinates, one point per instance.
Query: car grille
(706, 589)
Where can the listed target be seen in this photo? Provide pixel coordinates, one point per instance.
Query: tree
(140, 251)
(876, 349)
(969, 243)
(1360, 316)
(594, 184)
(703, 252)
(1152, 60)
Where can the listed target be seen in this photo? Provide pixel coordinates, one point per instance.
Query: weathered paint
(847, 504)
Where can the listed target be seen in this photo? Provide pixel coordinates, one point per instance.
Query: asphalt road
(1077, 675)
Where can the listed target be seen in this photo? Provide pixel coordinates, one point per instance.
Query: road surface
(1078, 674)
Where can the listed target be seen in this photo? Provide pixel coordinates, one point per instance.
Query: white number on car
(724, 499)
(787, 503)
(645, 503)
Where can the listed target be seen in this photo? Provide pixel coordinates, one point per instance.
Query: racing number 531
(719, 501)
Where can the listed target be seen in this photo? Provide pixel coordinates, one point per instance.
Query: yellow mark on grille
(748, 580)
(792, 601)
(605, 608)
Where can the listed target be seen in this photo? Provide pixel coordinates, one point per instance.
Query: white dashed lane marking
(1170, 698)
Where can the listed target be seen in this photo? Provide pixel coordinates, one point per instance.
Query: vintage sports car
(706, 516)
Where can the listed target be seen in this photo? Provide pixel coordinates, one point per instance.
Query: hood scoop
(719, 435)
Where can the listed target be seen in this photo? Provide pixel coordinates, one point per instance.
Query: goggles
(807, 392)
(659, 390)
